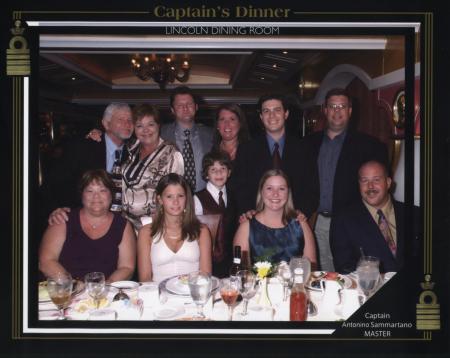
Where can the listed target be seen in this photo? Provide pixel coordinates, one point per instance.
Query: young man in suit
(192, 139)
(273, 149)
(336, 154)
(60, 190)
(374, 226)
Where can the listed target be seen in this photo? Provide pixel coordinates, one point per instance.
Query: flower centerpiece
(264, 269)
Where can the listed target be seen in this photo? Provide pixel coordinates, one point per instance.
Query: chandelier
(162, 69)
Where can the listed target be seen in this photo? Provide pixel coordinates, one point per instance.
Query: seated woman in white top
(176, 242)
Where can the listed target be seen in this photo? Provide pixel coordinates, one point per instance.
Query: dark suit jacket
(354, 229)
(253, 159)
(356, 149)
(61, 187)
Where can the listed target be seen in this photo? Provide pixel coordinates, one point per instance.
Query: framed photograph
(63, 66)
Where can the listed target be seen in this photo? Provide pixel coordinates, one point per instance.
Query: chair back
(212, 221)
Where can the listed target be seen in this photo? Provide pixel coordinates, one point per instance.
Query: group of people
(277, 195)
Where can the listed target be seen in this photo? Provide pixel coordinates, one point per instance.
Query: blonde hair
(288, 210)
(190, 225)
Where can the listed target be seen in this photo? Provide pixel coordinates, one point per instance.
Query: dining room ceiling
(97, 75)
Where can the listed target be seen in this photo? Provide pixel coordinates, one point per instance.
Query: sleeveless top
(166, 263)
(81, 254)
(275, 245)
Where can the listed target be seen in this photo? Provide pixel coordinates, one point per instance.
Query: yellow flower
(263, 268)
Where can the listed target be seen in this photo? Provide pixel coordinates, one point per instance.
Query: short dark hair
(338, 92)
(98, 175)
(215, 156)
(270, 96)
(182, 90)
(144, 110)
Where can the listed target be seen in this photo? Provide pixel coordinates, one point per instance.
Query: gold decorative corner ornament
(18, 54)
(428, 310)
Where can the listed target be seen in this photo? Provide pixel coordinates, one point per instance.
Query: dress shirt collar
(214, 191)
(339, 138)
(271, 142)
(387, 209)
(179, 130)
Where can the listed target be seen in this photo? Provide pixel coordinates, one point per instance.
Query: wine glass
(59, 287)
(247, 287)
(303, 263)
(229, 291)
(284, 275)
(200, 287)
(368, 276)
(95, 285)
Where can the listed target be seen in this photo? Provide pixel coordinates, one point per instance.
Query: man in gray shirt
(192, 139)
(337, 154)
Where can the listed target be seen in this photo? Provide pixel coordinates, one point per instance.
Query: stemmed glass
(59, 287)
(229, 291)
(284, 275)
(200, 287)
(368, 273)
(95, 285)
(247, 287)
(304, 264)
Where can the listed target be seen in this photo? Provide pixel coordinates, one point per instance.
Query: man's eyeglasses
(337, 107)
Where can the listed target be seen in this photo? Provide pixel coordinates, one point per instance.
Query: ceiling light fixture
(162, 69)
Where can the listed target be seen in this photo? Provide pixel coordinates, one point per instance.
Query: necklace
(97, 225)
(172, 237)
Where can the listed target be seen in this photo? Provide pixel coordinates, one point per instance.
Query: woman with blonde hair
(176, 242)
(274, 233)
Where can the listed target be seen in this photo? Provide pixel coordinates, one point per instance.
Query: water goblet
(95, 285)
(368, 276)
(200, 288)
(284, 275)
(59, 287)
(229, 291)
(247, 287)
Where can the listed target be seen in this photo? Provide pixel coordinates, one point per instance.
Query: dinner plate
(177, 285)
(318, 276)
(168, 312)
(78, 288)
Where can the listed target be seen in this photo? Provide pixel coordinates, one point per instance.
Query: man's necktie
(189, 163)
(276, 159)
(221, 201)
(384, 228)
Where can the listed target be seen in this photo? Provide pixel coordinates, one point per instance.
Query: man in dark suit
(336, 155)
(374, 226)
(193, 140)
(273, 149)
(60, 189)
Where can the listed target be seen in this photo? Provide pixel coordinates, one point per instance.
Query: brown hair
(190, 225)
(144, 110)
(98, 175)
(243, 135)
(288, 210)
(338, 92)
(215, 156)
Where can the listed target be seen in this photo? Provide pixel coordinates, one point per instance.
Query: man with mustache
(375, 226)
(336, 155)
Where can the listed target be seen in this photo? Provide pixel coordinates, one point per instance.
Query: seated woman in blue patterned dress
(274, 233)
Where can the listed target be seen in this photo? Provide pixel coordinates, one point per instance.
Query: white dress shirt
(214, 191)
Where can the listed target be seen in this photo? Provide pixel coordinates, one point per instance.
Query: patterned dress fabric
(140, 178)
(275, 245)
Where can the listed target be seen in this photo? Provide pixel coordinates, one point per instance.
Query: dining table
(155, 302)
